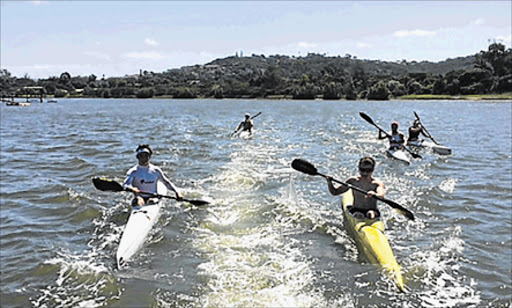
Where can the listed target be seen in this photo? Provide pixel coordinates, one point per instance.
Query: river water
(272, 237)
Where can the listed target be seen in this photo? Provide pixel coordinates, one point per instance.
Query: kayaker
(415, 130)
(364, 205)
(143, 178)
(396, 138)
(245, 125)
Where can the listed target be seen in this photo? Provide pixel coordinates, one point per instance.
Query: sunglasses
(366, 169)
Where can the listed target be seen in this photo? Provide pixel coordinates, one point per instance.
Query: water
(272, 236)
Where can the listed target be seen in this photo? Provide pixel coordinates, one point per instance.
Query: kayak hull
(246, 135)
(400, 155)
(140, 222)
(371, 242)
(436, 148)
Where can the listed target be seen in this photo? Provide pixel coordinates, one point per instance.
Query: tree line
(309, 77)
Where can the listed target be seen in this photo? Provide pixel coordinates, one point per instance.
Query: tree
(64, 78)
(396, 88)
(6, 82)
(379, 92)
(415, 88)
(333, 90)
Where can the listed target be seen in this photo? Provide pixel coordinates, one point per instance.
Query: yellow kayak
(371, 241)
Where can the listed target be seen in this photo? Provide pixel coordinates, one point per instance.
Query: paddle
(238, 128)
(425, 129)
(369, 120)
(111, 185)
(308, 168)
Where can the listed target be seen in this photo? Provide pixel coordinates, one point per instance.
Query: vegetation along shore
(484, 76)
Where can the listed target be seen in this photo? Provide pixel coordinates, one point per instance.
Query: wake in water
(251, 259)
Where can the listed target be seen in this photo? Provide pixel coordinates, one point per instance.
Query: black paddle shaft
(111, 185)
(424, 128)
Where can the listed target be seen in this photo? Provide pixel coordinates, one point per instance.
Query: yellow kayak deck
(371, 241)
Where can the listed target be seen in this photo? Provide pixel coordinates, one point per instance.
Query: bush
(145, 93)
(333, 90)
(379, 92)
(60, 93)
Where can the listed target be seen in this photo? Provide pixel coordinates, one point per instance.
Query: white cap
(143, 150)
(247, 114)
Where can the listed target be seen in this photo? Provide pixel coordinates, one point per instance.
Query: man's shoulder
(154, 167)
(377, 181)
(132, 169)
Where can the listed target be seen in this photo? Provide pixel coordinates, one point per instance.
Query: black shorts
(362, 213)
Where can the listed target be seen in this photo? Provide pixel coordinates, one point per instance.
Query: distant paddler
(414, 132)
(418, 128)
(397, 140)
(247, 124)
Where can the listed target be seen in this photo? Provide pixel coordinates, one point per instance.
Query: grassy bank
(476, 97)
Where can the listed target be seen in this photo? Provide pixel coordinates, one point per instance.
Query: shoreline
(414, 97)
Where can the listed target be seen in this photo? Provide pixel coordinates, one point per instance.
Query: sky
(41, 39)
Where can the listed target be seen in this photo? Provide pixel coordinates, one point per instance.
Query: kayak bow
(436, 148)
(371, 242)
(398, 154)
(140, 222)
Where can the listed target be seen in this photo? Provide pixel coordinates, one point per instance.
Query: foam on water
(80, 283)
(438, 272)
(251, 260)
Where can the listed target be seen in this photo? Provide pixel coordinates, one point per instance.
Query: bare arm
(169, 184)
(335, 190)
(380, 191)
(382, 135)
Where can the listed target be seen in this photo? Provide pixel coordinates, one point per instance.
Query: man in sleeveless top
(415, 130)
(142, 179)
(364, 205)
(245, 125)
(396, 138)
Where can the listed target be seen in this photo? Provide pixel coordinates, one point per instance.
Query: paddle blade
(197, 202)
(417, 116)
(304, 166)
(399, 208)
(406, 213)
(104, 184)
(366, 117)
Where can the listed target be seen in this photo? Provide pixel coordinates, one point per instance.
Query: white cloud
(416, 32)
(38, 2)
(478, 21)
(504, 39)
(144, 55)
(363, 45)
(307, 45)
(151, 42)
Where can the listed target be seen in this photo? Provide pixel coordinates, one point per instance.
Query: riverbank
(476, 97)
(425, 97)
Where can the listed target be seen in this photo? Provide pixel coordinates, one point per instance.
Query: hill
(279, 76)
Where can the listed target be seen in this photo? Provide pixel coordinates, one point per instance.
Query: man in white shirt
(142, 179)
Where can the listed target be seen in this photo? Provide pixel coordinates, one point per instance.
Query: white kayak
(436, 148)
(398, 154)
(245, 135)
(140, 222)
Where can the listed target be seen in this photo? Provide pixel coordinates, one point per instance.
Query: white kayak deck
(140, 222)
